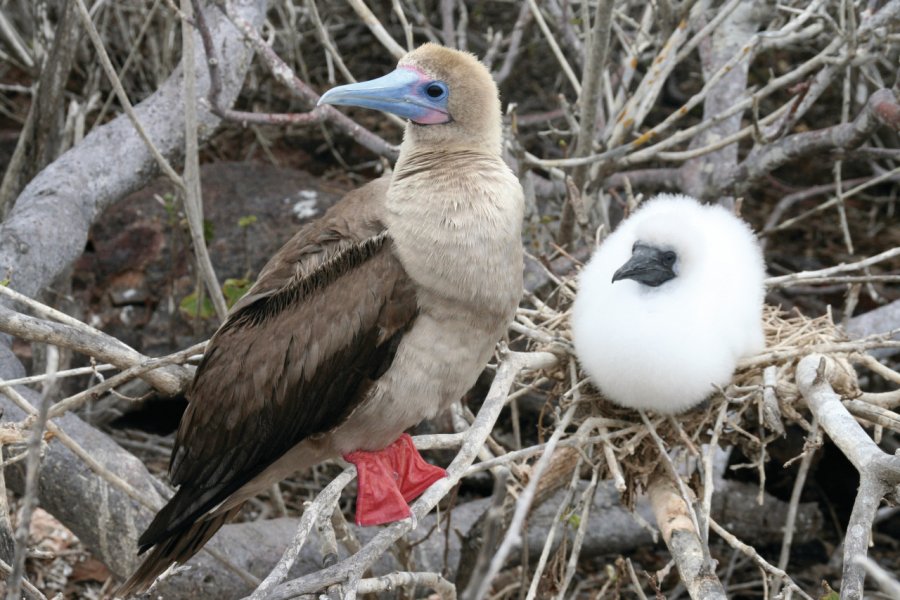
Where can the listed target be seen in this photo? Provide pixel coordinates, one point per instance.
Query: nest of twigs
(752, 411)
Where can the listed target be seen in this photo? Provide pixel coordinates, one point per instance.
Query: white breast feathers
(668, 304)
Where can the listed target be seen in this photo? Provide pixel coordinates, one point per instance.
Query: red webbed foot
(415, 475)
(388, 479)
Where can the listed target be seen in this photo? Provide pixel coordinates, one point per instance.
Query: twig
(120, 93)
(679, 530)
(513, 535)
(493, 525)
(554, 47)
(735, 543)
(445, 589)
(193, 203)
(285, 75)
(887, 583)
(74, 334)
(878, 471)
(349, 569)
(588, 100)
(322, 505)
(765, 159)
(32, 472)
(587, 501)
(30, 590)
(557, 522)
(842, 268)
(377, 28)
(799, 482)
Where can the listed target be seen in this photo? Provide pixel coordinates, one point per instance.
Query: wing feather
(292, 361)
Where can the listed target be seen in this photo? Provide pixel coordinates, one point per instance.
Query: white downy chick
(668, 303)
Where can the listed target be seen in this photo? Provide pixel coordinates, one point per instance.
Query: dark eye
(669, 258)
(436, 90)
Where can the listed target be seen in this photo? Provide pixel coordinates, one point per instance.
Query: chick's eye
(436, 90)
(669, 258)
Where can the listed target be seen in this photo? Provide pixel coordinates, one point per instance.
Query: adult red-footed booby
(376, 316)
(668, 304)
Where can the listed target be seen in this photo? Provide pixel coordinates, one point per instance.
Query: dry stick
(708, 476)
(404, 23)
(323, 504)
(551, 535)
(492, 525)
(887, 583)
(285, 75)
(879, 472)
(209, 279)
(673, 472)
(32, 472)
(790, 521)
(842, 268)
(120, 93)
(377, 29)
(30, 590)
(448, 31)
(879, 341)
(588, 100)
(512, 363)
(764, 159)
(638, 589)
(193, 202)
(77, 400)
(871, 363)
(79, 336)
(554, 47)
(620, 155)
(874, 414)
(587, 501)
(523, 504)
(61, 374)
(677, 524)
(133, 53)
(751, 552)
(640, 103)
(109, 476)
(7, 538)
(515, 43)
(392, 581)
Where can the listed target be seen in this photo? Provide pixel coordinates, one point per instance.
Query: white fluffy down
(664, 348)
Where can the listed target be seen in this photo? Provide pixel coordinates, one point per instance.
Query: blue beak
(401, 92)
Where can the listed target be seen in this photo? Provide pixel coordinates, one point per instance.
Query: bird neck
(487, 139)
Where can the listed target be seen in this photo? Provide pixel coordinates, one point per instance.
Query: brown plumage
(370, 319)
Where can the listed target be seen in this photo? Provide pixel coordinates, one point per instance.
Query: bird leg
(389, 479)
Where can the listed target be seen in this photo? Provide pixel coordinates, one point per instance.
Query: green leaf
(188, 307)
(234, 290)
(574, 521)
(246, 221)
(5, 282)
(208, 230)
(829, 594)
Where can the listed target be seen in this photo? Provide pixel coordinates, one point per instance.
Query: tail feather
(178, 548)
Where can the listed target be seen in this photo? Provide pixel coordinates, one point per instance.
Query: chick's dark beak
(648, 265)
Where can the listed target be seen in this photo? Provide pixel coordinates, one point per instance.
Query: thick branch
(881, 109)
(672, 517)
(879, 472)
(48, 226)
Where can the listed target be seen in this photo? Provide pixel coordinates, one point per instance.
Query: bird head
(447, 96)
(650, 265)
(661, 251)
